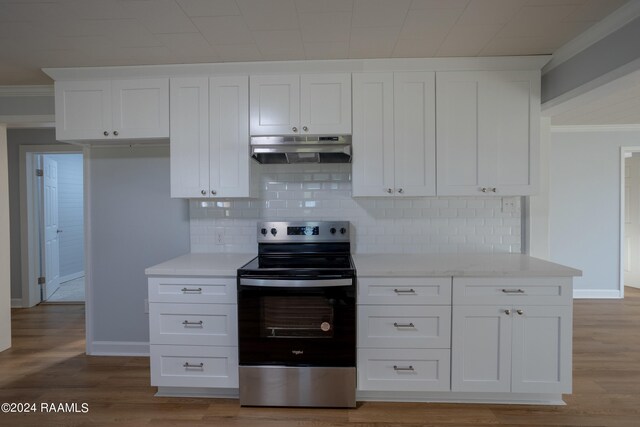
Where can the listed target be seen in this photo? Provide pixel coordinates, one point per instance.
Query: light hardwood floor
(47, 364)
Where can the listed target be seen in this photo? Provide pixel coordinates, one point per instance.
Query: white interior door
(51, 251)
(632, 222)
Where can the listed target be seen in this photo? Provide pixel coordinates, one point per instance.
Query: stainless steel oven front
(297, 317)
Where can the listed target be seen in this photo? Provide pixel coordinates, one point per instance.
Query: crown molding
(595, 128)
(22, 122)
(611, 23)
(18, 91)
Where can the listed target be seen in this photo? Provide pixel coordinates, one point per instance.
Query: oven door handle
(295, 283)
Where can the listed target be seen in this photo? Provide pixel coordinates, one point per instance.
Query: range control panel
(303, 231)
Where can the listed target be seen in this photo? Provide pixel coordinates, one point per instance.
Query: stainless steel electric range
(297, 317)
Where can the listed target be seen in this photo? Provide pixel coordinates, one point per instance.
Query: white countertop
(460, 265)
(381, 265)
(222, 264)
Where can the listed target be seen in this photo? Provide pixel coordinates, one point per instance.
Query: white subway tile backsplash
(323, 192)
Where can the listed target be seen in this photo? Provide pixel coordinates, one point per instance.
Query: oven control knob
(274, 231)
(343, 230)
(263, 231)
(332, 230)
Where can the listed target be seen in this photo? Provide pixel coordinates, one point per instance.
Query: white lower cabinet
(194, 366)
(404, 334)
(513, 346)
(193, 324)
(403, 370)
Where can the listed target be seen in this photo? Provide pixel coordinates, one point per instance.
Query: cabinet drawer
(405, 291)
(404, 327)
(407, 370)
(188, 366)
(218, 290)
(193, 324)
(503, 290)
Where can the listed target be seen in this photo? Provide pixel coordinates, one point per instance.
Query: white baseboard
(462, 397)
(118, 348)
(596, 294)
(225, 393)
(16, 302)
(72, 276)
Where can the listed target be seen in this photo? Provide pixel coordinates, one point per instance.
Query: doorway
(630, 218)
(52, 188)
(62, 227)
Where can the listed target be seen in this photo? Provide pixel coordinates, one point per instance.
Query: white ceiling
(67, 33)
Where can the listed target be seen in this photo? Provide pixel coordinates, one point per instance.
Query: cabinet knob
(389, 190)
(304, 128)
(400, 190)
(214, 192)
(507, 312)
(484, 189)
(105, 133)
(115, 132)
(520, 312)
(295, 129)
(493, 190)
(203, 192)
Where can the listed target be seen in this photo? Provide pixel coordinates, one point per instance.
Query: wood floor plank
(47, 364)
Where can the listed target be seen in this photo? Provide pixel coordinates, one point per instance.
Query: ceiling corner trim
(34, 121)
(20, 91)
(616, 20)
(595, 128)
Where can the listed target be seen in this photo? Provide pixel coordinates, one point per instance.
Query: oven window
(296, 317)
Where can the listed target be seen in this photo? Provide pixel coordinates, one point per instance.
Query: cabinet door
(415, 134)
(325, 104)
(83, 110)
(460, 119)
(541, 359)
(373, 156)
(481, 349)
(189, 140)
(275, 105)
(141, 108)
(229, 161)
(513, 134)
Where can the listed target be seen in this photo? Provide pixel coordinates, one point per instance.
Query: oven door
(297, 322)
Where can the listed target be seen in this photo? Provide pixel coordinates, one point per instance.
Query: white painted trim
(30, 256)
(611, 23)
(30, 90)
(88, 262)
(462, 397)
(597, 294)
(72, 276)
(614, 80)
(595, 128)
(32, 121)
(16, 302)
(534, 62)
(225, 393)
(620, 291)
(119, 348)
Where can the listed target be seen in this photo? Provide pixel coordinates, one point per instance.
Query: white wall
(584, 206)
(70, 214)
(323, 192)
(5, 277)
(134, 224)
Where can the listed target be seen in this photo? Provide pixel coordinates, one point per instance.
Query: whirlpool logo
(297, 352)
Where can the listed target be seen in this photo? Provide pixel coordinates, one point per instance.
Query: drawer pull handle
(513, 291)
(404, 291)
(192, 290)
(404, 325)
(186, 323)
(403, 368)
(188, 365)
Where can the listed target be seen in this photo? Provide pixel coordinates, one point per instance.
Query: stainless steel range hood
(301, 149)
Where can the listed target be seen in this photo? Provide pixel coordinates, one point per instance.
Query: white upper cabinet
(488, 132)
(210, 137)
(111, 110)
(394, 134)
(308, 104)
